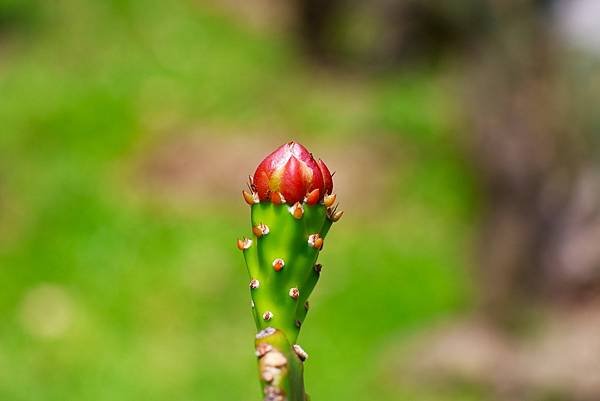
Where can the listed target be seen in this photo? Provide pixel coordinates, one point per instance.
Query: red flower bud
(292, 172)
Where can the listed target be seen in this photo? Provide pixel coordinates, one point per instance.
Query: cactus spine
(281, 255)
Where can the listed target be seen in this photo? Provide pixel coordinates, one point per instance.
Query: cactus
(292, 209)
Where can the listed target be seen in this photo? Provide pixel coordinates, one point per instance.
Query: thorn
(264, 333)
(278, 264)
(260, 230)
(300, 352)
(312, 197)
(262, 349)
(298, 323)
(294, 293)
(244, 243)
(318, 267)
(277, 198)
(306, 305)
(329, 200)
(252, 304)
(250, 198)
(337, 215)
(297, 210)
(254, 284)
(267, 315)
(315, 241)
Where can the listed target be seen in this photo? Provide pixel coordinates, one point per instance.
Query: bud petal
(327, 178)
(313, 197)
(292, 183)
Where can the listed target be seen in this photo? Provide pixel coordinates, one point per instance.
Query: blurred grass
(155, 298)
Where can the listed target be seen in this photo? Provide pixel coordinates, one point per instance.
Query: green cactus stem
(288, 232)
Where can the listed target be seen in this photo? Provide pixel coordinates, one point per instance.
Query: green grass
(157, 296)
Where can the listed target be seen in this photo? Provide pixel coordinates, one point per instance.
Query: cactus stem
(254, 284)
(268, 315)
(250, 198)
(260, 230)
(278, 264)
(315, 241)
(297, 210)
(329, 200)
(312, 197)
(300, 352)
(244, 243)
(294, 293)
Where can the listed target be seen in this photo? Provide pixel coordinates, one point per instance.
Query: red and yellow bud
(293, 173)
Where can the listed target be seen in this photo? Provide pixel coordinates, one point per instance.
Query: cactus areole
(292, 209)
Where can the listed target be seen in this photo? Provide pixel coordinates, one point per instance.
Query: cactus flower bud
(292, 208)
(292, 173)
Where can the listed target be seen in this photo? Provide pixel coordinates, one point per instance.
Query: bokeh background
(464, 136)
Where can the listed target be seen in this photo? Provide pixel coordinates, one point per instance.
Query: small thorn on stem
(300, 352)
(260, 230)
(244, 243)
(337, 215)
(278, 264)
(329, 200)
(294, 293)
(268, 315)
(312, 197)
(297, 210)
(306, 305)
(315, 241)
(318, 267)
(277, 198)
(250, 198)
(254, 284)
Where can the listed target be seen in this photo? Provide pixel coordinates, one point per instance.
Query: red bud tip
(292, 171)
(297, 210)
(260, 230)
(243, 244)
(268, 315)
(329, 200)
(312, 197)
(278, 264)
(294, 293)
(250, 198)
(315, 241)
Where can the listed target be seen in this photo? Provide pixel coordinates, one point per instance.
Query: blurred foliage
(109, 295)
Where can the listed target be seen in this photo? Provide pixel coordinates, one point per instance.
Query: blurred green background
(128, 129)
